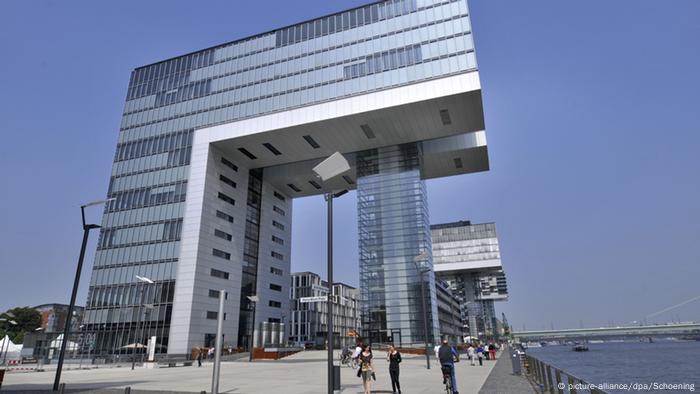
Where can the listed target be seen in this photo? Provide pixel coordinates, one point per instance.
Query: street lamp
(76, 282)
(330, 168)
(137, 337)
(253, 299)
(421, 257)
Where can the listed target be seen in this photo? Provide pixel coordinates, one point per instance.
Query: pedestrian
(471, 354)
(367, 369)
(448, 356)
(394, 358)
(480, 354)
(210, 353)
(492, 351)
(199, 357)
(356, 355)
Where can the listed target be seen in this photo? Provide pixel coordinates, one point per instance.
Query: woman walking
(471, 354)
(367, 368)
(394, 358)
(480, 354)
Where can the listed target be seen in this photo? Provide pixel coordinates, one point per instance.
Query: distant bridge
(690, 330)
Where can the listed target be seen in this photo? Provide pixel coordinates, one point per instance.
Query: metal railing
(553, 380)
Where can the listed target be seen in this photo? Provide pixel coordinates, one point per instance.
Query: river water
(643, 367)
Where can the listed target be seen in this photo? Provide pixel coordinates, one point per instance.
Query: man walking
(448, 356)
(471, 354)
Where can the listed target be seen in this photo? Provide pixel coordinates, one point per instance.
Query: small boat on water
(580, 348)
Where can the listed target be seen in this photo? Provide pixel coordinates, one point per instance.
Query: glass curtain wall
(394, 228)
(250, 258)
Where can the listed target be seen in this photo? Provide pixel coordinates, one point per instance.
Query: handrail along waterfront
(554, 380)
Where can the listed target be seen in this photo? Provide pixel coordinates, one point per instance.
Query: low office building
(309, 311)
(45, 341)
(467, 257)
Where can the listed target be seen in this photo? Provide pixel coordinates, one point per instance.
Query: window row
(215, 294)
(273, 77)
(226, 198)
(147, 80)
(274, 304)
(278, 225)
(276, 255)
(221, 254)
(306, 89)
(148, 196)
(278, 210)
(219, 274)
(275, 287)
(212, 315)
(277, 240)
(383, 61)
(279, 196)
(154, 145)
(227, 181)
(344, 21)
(276, 271)
(223, 234)
(131, 294)
(225, 216)
(190, 91)
(165, 231)
(228, 164)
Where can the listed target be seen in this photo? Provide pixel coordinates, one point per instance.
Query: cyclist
(448, 356)
(345, 355)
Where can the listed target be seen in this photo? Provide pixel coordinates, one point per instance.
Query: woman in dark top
(394, 358)
(367, 368)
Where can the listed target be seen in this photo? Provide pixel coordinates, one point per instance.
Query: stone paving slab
(302, 373)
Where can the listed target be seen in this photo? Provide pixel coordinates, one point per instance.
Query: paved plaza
(302, 373)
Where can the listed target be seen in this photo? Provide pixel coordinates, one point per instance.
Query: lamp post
(330, 168)
(218, 344)
(253, 299)
(416, 261)
(137, 337)
(76, 282)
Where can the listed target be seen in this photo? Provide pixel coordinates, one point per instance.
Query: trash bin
(336, 377)
(515, 360)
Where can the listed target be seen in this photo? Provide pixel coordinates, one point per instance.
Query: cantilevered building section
(467, 256)
(214, 146)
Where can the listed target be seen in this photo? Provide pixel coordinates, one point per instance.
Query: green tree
(28, 319)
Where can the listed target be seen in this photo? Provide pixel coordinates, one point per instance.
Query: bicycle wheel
(448, 386)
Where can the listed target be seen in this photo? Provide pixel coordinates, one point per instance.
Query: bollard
(61, 388)
(127, 390)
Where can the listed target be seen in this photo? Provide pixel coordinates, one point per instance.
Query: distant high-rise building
(308, 320)
(467, 256)
(214, 146)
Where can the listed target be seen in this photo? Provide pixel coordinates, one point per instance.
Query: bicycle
(447, 378)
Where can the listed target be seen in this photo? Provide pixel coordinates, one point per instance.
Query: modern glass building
(467, 256)
(214, 146)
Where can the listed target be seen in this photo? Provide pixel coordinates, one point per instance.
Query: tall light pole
(416, 261)
(145, 281)
(76, 282)
(254, 300)
(330, 168)
(218, 344)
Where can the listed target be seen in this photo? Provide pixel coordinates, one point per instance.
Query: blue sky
(592, 115)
